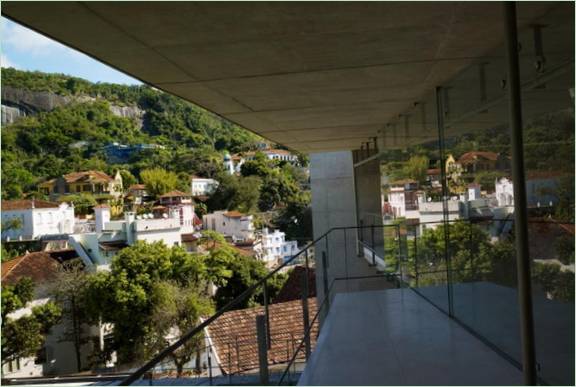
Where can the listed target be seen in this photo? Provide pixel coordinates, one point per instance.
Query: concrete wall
(40, 221)
(369, 203)
(334, 205)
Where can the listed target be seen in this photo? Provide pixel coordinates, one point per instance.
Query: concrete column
(369, 203)
(334, 205)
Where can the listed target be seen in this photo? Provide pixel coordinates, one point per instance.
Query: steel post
(520, 212)
(262, 349)
(306, 319)
(267, 314)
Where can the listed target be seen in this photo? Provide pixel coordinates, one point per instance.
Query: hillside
(55, 124)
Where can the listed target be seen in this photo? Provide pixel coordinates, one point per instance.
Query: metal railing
(408, 263)
(304, 259)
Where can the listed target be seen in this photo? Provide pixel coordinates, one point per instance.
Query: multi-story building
(403, 197)
(274, 154)
(273, 248)
(541, 189)
(477, 161)
(180, 203)
(36, 218)
(110, 236)
(93, 182)
(232, 224)
(137, 194)
(202, 186)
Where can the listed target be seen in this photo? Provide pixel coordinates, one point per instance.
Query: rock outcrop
(17, 103)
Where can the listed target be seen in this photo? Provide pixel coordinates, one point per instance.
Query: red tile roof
(433, 171)
(233, 214)
(137, 187)
(469, 157)
(402, 182)
(292, 289)
(235, 341)
(12, 205)
(175, 193)
(277, 151)
(95, 176)
(40, 266)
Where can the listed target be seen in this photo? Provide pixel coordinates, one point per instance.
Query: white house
(504, 190)
(541, 187)
(432, 213)
(403, 198)
(233, 224)
(37, 218)
(273, 248)
(275, 154)
(201, 186)
(97, 249)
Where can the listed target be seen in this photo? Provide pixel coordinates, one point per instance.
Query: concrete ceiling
(313, 76)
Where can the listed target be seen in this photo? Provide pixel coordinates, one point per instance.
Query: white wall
(237, 228)
(433, 212)
(504, 191)
(37, 222)
(201, 186)
(397, 201)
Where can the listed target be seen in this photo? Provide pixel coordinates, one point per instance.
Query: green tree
(235, 193)
(158, 181)
(128, 179)
(130, 295)
(24, 336)
(68, 290)
(181, 308)
(416, 168)
(11, 224)
(83, 203)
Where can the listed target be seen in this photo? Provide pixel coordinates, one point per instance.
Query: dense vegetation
(42, 146)
(72, 138)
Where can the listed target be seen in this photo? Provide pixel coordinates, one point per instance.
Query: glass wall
(447, 186)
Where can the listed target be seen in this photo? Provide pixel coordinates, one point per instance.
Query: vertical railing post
(416, 255)
(238, 355)
(262, 348)
(325, 279)
(441, 100)
(305, 317)
(520, 212)
(267, 314)
(229, 364)
(210, 364)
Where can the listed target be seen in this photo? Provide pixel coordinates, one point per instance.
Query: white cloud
(27, 41)
(5, 62)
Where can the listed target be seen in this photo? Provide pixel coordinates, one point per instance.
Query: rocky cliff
(17, 103)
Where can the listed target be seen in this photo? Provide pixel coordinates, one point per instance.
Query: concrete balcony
(396, 337)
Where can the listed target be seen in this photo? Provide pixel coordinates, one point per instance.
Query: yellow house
(93, 182)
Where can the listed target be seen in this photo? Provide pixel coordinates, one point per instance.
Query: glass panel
(548, 118)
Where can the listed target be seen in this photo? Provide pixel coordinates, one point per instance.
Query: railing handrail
(177, 344)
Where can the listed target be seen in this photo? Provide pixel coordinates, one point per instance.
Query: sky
(25, 49)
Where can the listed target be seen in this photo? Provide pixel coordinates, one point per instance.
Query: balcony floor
(395, 337)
